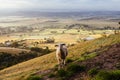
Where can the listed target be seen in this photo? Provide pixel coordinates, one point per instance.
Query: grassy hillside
(11, 56)
(19, 71)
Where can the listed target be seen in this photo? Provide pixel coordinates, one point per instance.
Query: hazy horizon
(59, 5)
(44, 7)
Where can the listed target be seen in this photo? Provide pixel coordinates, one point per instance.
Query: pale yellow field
(12, 50)
(6, 38)
(69, 37)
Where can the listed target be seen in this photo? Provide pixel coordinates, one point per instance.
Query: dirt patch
(106, 60)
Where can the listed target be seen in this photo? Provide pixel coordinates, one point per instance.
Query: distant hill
(64, 14)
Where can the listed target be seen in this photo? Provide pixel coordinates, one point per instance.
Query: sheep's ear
(56, 45)
(67, 45)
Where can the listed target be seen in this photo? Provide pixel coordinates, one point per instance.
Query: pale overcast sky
(39, 5)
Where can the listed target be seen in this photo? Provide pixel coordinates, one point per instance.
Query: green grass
(68, 60)
(67, 72)
(93, 72)
(108, 75)
(75, 68)
(51, 75)
(87, 56)
(34, 78)
(70, 70)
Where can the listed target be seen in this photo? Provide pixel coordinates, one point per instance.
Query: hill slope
(108, 60)
(21, 70)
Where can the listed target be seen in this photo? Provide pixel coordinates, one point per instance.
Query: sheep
(61, 54)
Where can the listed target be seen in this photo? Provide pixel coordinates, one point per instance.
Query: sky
(65, 5)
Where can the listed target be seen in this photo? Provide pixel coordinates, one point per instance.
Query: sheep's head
(60, 45)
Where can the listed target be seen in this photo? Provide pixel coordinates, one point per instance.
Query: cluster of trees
(41, 50)
(7, 59)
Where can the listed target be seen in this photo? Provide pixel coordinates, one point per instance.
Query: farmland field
(68, 37)
(44, 27)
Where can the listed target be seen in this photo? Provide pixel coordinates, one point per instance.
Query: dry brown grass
(12, 50)
(6, 38)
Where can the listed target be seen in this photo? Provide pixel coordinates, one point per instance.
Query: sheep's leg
(64, 62)
(59, 64)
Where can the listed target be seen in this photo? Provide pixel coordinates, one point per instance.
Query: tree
(15, 44)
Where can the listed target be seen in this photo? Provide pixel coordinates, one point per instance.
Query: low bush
(34, 78)
(51, 75)
(62, 73)
(75, 68)
(41, 50)
(92, 72)
(70, 70)
(108, 75)
(68, 60)
(8, 59)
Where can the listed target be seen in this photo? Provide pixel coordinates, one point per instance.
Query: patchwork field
(70, 36)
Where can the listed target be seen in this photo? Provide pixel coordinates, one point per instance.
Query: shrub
(15, 44)
(61, 73)
(34, 78)
(75, 68)
(41, 50)
(69, 71)
(93, 72)
(108, 75)
(68, 60)
(51, 75)
(55, 68)
(36, 49)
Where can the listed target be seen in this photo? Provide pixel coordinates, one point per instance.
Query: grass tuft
(92, 72)
(34, 78)
(51, 75)
(68, 60)
(108, 75)
(75, 68)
